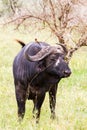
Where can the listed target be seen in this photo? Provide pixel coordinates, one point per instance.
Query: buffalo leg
(52, 100)
(21, 100)
(37, 106)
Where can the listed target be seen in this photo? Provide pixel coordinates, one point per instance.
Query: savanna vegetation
(71, 108)
(18, 22)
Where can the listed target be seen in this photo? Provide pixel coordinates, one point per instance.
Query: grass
(71, 108)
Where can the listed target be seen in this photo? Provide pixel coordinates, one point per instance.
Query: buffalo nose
(67, 72)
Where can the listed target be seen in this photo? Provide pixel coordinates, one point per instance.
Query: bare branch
(13, 6)
(53, 13)
(22, 18)
(82, 42)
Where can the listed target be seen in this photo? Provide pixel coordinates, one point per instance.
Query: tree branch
(53, 14)
(82, 42)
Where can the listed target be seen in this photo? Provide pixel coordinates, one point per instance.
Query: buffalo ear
(20, 42)
(64, 47)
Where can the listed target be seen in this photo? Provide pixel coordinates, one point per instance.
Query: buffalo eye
(53, 57)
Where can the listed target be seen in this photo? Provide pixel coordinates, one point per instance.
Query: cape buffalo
(37, 69)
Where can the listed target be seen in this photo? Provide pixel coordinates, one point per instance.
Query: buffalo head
(53, 60)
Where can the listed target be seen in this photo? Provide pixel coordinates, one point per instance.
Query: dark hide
(33, 79)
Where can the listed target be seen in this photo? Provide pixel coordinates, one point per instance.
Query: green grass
(71, 108)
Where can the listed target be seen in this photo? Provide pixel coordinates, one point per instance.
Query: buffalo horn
(42, 53)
